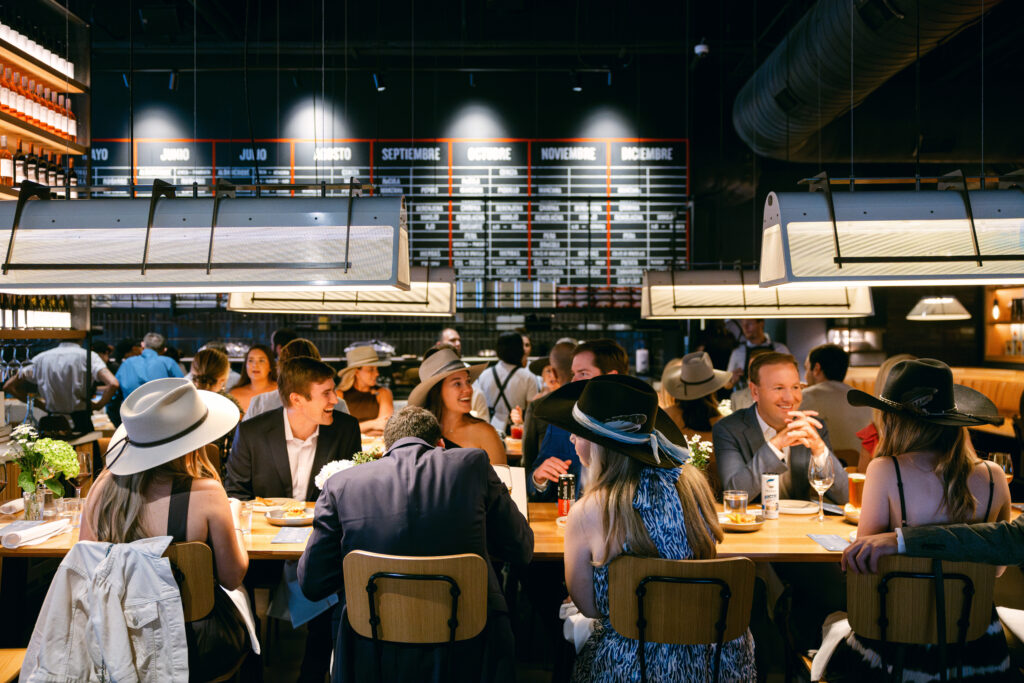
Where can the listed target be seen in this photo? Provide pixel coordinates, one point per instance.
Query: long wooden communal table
(781, 540)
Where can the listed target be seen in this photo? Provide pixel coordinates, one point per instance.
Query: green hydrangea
(42, 460)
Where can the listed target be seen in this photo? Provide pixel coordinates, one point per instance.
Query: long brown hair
(271, 373)
(117, 517)
(956, 458)
(614, 480)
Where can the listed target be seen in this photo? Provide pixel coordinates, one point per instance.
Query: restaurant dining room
(511, 341)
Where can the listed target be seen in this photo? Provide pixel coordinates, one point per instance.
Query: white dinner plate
(797, 507)
(741, 527)
(277, 518)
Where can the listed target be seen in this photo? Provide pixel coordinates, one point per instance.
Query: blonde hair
(880, 378)
(208, 366)
(117, 517)
(956, 458)
(615, 477)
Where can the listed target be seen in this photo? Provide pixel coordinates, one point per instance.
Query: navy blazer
(259, 466)
(743, 455)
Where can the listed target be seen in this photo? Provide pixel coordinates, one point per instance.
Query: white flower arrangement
(330, 469)
(700, 451)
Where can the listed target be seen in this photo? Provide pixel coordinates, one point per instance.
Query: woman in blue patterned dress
(641, 500)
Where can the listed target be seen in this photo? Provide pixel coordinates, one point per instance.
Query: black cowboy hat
(924, 389)
(618, 400)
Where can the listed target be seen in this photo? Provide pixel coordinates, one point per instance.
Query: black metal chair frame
(963, 622)
(641, 623)
(453, 621)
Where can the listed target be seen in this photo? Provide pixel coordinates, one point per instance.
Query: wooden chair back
(911, 602)
(193, 562)
(416, 605)
(666, 621)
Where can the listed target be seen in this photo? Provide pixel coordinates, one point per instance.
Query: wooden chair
(903, 604)
(193, 566)
(645, 595)
(415, 600)
(10, 664)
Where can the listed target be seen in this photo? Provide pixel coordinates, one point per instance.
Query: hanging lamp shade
(932, 308)
(736, 294)
(892, 238)
(431, 293)
(174, 245)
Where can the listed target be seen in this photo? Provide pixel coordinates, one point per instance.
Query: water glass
(735, 502)
(71, 510)
(245, 517)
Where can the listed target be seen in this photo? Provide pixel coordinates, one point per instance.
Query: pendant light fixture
(431, 293)
(174, 245)
(820, 239)
(935, 308)
(736, 294)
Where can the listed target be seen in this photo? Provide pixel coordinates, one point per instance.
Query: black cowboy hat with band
(924, 389)
(618, 412)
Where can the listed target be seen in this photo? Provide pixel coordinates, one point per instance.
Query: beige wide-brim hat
(435, 369)
(692, 377)
(164, 419)
(362, 357)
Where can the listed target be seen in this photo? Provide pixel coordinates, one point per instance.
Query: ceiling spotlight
(577, 82)
(701, 49)
(378, 83)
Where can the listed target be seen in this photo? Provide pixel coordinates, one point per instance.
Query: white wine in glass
(821, 474)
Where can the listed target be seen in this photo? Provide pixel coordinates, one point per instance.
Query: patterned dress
(608, 657)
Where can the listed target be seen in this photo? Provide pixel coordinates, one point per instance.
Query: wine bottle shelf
(41, 334)
(12, 126)
(27, 65)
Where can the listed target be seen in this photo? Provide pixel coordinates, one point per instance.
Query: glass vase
(35, 504)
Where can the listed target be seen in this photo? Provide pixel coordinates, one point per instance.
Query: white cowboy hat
(362, 357)
(433, 370)
(692, 377)
(164, 419)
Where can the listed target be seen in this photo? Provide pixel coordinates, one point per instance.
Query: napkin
(35, 535)
(576, 627)
(12, 507)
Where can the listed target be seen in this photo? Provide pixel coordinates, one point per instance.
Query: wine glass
(821, 474)
(1005, 462)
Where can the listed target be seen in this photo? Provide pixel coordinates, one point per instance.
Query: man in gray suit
(992, 542)
(774, 436)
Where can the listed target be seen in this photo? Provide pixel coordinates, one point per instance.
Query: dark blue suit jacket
(555, 444)
(417, 500)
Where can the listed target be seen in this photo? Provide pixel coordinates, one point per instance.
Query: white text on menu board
(568, 154)
(332, 154)
(647, 154)
(410, 153)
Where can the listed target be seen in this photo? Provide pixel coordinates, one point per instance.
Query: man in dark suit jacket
(271, 446)
(278, 455)
(418, 499)
(774, 437)
(991, 542)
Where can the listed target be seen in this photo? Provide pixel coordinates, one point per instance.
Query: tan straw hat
(433, 371)
(362, 357)
(692, 377)
(164, 419)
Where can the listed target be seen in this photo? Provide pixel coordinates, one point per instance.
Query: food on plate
(294, 509)
(267, 502)
(741, 518)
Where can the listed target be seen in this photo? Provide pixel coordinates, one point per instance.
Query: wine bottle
(6, 163)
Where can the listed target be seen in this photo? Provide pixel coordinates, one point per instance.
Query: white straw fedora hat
(362, 357)
(433, 371)
(693, 376)
(164, 419)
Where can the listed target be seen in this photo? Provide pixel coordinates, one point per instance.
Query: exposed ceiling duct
(805, 82)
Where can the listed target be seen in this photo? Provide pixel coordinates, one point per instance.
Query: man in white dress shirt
(507, 384)
(754, 337)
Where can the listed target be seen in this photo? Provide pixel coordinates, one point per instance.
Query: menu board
(588, 213)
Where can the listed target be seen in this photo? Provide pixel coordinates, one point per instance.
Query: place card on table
(292, 534)
(832, 542)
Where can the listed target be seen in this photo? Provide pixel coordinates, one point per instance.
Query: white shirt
(769, 434)
(519, 391)
(740, 356)
(300, 457)
(60, 375)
